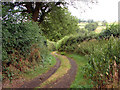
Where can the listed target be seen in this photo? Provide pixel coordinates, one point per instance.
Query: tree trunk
(35, 14)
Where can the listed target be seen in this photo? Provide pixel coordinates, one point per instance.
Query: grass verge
(65, 66)
(80, 81)
(40, 69)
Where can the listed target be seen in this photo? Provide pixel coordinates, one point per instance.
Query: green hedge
(22, 43)
(113, 29)
(51, 45)
(70, 43)
(104, 57)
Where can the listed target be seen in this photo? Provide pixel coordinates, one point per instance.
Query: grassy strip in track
(40, 69)
(80, 81)
(65, 66)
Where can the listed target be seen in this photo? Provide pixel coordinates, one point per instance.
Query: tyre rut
(67, 79)
(40, 79)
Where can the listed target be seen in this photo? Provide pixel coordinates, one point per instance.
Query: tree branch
(29, 7)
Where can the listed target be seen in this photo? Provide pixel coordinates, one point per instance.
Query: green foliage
(58, 24)
(22, 43)
(113, 29)
(101, 53)
(63, 53)
(21, 37)
(61, 42)
(65, 43)
(82, 31)
(101, 56)
(51, 45)
(70, 43)
(40, 69)
(80, 81)
(91, 26)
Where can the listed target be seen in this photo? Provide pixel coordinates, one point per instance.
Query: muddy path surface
(67, 79)
(62, 82)
(40, 79)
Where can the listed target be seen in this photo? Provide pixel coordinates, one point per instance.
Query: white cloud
(104, 10)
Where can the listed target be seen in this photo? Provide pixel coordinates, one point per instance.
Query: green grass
(63, 69)
(40, 69)
(80, 81)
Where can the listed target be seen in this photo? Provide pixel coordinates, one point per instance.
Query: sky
(103, 10)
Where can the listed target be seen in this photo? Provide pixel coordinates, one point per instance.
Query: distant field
(99, 29)
(82, 24)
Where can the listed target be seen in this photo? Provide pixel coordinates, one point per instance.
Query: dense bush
(51, 45)
(113, 29)
(70, 43)
(103, 67)
(82, 31)
(61, 42)
(22, 44)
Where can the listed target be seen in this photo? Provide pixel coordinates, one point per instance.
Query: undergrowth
(80, 81)
(63, 69)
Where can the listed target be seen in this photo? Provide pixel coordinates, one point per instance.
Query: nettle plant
(103, 65)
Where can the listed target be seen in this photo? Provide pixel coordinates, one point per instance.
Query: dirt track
(67, 79)
(37, 81)
(63, 82)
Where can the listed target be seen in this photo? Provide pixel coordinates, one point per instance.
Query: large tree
(39, 10)
(58, 24)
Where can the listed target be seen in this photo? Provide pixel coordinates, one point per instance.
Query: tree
(90, 21)
(39, 10)
(91, 26)
(59, 23)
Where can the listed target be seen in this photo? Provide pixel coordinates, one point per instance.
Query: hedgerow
(71, 43)
(23, 45)
(113, 29)
(103, 67)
